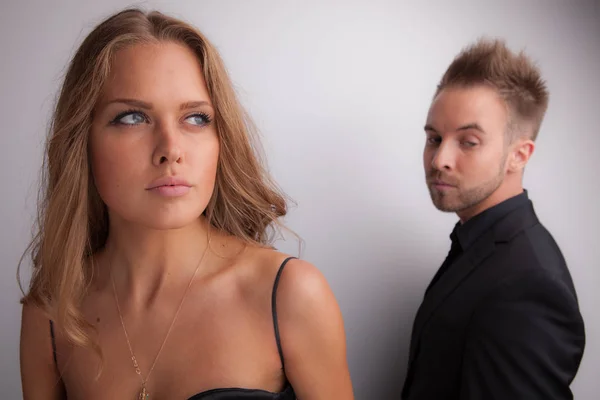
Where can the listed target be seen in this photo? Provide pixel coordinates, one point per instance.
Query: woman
(153, 274)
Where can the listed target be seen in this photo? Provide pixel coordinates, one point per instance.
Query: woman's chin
(161, 221)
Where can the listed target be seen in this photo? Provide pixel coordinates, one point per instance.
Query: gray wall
(340, 91)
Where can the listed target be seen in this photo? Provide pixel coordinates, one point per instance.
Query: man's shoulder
(531, 257)
(526, 246)
(532, 262)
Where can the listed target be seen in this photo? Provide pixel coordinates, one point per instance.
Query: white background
(340, 91)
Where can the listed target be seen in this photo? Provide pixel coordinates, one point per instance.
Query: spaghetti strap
(274, 310)
(53, 342)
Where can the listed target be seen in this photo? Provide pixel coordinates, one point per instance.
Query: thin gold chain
(133, 359)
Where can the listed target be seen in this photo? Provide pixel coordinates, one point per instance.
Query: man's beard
(457, 199)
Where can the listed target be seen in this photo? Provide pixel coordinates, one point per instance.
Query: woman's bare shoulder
(260, 265)
(39, 375)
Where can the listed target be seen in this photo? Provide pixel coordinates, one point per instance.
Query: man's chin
(447, 208)
(442, 203)
(445, 205)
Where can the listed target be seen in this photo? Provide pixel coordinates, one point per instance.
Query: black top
(239, 393)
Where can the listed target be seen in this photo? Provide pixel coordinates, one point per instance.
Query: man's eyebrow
(466, 127)
(429, 127)
(473, 125)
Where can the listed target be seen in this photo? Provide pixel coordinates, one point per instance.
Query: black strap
(274, 309)
(53, 343)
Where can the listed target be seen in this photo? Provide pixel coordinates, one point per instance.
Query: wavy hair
(72, 223)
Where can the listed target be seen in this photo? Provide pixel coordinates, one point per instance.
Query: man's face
(465, 152)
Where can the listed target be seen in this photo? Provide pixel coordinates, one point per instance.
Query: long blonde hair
(72, 222)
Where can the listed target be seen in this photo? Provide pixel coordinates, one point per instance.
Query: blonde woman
(153, 274)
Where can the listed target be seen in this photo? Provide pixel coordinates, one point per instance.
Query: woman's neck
(143, 261)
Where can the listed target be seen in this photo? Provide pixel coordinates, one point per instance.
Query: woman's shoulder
(298, 284)
(265, 266)
(309, 320)
(39, 374)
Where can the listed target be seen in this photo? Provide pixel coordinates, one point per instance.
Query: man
(500, 319)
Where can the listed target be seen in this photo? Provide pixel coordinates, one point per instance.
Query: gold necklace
(143, 393)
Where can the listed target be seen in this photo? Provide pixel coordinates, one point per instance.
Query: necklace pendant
(143, 394)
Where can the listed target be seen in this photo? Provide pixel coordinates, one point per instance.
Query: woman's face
(154, 146)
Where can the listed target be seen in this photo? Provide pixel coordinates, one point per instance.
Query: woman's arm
(312, 335)
(39, 375)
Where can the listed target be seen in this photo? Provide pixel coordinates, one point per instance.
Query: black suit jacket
(502, 323)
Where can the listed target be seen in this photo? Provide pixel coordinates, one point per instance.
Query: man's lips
(441, 184)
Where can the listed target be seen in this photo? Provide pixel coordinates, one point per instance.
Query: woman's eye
(130, 118)
(198, 119)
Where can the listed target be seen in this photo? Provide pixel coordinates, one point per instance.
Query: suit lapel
(503, 231)
(456, 274)
(515, 222)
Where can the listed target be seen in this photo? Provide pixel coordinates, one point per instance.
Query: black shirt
(464, 235)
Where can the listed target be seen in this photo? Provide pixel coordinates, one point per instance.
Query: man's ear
(520, 153)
